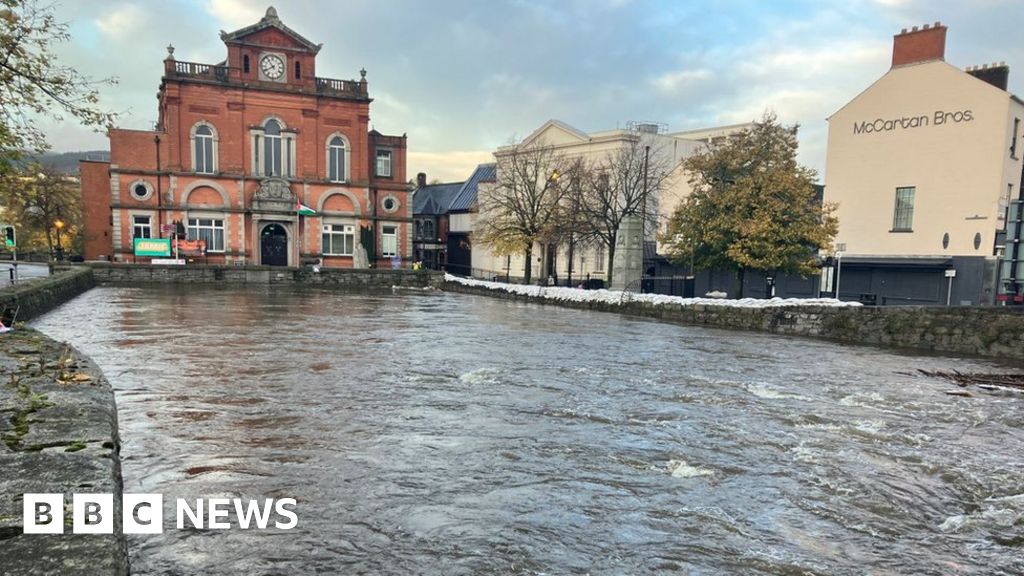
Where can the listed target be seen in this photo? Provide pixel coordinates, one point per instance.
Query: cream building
(922, 165)
(591, 261)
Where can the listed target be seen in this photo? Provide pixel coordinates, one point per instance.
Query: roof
(435, 198)
(466, 198)
(270, 20)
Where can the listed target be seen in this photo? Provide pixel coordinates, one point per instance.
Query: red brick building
(238, 147)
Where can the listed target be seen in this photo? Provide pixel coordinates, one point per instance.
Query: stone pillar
(628, 264)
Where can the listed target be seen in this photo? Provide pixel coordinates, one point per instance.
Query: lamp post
(58, 224)
(839, 270)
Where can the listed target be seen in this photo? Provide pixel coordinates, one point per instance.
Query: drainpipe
(159, 188)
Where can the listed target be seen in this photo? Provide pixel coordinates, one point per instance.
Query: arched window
(272, 148)
(203, 158)
(337, 164)
(245, 64)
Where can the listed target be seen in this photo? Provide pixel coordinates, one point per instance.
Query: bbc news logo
(144, 513)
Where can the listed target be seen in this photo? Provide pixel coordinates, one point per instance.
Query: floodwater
(431, 433)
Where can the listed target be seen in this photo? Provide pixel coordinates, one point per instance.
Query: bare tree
(523, 206)
(627, 181)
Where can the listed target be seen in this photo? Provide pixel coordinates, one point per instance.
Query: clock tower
(256, 161)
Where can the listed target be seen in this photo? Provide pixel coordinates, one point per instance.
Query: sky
(462, 77)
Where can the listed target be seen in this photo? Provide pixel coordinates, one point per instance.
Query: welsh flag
(304, 210)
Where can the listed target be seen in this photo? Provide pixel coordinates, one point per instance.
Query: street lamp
(59, 225)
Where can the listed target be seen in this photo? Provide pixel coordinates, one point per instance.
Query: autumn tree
(34, 84)
(752, 207)
(44, 205)
(522, 207)
(625, 182)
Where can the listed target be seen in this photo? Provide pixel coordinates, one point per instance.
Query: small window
(140, 191)
(142, 227)
(389, 241)
(298, 71)
(1016, 134)
(245, 64)
(903, 215)
(390, 204)
(428, 229)
(977, 240)
(384, 163)
(210, 230)
(339, 239)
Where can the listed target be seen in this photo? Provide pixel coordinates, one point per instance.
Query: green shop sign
(159, 247)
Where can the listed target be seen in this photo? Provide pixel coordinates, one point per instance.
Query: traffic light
(9, 238)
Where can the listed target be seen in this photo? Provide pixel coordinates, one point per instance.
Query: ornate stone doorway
(274, 245)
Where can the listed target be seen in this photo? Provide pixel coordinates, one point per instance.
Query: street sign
(951, 273)
(158, 247)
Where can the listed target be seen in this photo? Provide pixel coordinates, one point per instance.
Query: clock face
(272, 66)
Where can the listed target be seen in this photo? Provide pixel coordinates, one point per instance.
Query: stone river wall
(58, 427)
(345, 279)
(58, 435)
(995, 332)
(38, 296)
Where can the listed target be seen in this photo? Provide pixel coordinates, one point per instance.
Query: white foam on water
(871, 400)
(953, 523)
(480, 376)
(771, 393)
(680, 469)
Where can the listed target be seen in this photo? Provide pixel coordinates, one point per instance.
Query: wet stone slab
(58, 427)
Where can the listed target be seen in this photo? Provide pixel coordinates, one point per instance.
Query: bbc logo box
(92, 514)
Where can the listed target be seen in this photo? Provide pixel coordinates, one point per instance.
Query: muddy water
(447, 434)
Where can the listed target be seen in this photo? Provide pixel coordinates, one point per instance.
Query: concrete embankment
(340, 278)
(992, 332)
(42, 295)
(58, 435)
(58, 424)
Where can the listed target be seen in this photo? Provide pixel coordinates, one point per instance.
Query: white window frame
(394, 238)
(192, 231)
(215, 144)
(258, 142)
(389, 154)
(147, 226)
(345, 157)
(347, 229)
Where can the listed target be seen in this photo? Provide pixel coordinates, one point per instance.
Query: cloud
(447, 166)
(235, 14)
(122, 22)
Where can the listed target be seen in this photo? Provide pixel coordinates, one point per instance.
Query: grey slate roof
(466, 199)
(434, 199)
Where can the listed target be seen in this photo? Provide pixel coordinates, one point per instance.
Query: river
(432, 433)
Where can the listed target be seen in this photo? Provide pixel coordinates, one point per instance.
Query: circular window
(945, 240)
(141, 190)
(390, 204)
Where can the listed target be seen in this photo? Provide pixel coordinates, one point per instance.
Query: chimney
(421, 179)
(997, 75)
(919, 45)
